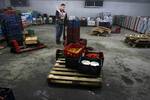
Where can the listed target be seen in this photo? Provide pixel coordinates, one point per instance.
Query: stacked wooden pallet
(138, 40)
(60, 74)
(138, 24)
(101, 31)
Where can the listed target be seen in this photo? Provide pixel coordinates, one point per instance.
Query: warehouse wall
(76, 7)
(2, 3)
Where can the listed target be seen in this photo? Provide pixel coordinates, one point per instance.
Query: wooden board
(60, 74)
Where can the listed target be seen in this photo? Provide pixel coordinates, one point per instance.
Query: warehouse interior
(115, 34)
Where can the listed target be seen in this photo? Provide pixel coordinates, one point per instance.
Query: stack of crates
(138, 24)
(83, 21)
(73, 31)
(46, 19)
(12, 26)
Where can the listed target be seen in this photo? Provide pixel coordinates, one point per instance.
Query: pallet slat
(70, 74)
(59, 65)
(60, 61)
(63, 69)
(82, 79)
(79, 83)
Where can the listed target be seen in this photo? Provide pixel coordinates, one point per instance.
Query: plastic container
(91, 63)
(74, 50)
(72, 62)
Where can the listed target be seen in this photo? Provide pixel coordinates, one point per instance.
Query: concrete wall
(76, 7)
(2, 3)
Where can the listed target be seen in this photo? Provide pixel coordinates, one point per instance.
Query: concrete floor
(126, 70)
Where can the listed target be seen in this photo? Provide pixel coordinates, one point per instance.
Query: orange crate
(74, 50)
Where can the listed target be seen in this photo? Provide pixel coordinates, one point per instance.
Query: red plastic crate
(74, 50)
(94, 55)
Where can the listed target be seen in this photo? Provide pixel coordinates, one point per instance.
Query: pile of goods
(91, 21)
(12, 29)
(12, 25)
(104, 19)
(76, 52)
(35, 18)
(43, 19)
(138, 24)
(30, 38)
(78, 57)
(76, 64)
(138, 40)
(40, 19)
(101, 31)
(30, 42)
(83, 21)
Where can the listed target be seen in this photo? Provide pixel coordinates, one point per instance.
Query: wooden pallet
(144, 43)
(101, 31)
(60, 74)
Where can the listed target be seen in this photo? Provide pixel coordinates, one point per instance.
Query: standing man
(61, 17)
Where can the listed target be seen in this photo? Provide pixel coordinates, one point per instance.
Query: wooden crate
(60, 74)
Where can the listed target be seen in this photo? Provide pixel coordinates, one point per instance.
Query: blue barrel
(73, 31)
(12, 27)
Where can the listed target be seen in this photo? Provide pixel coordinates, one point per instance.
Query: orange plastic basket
(74, 50)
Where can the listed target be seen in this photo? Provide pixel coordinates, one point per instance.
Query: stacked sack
(76, 53)
(138, 24)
